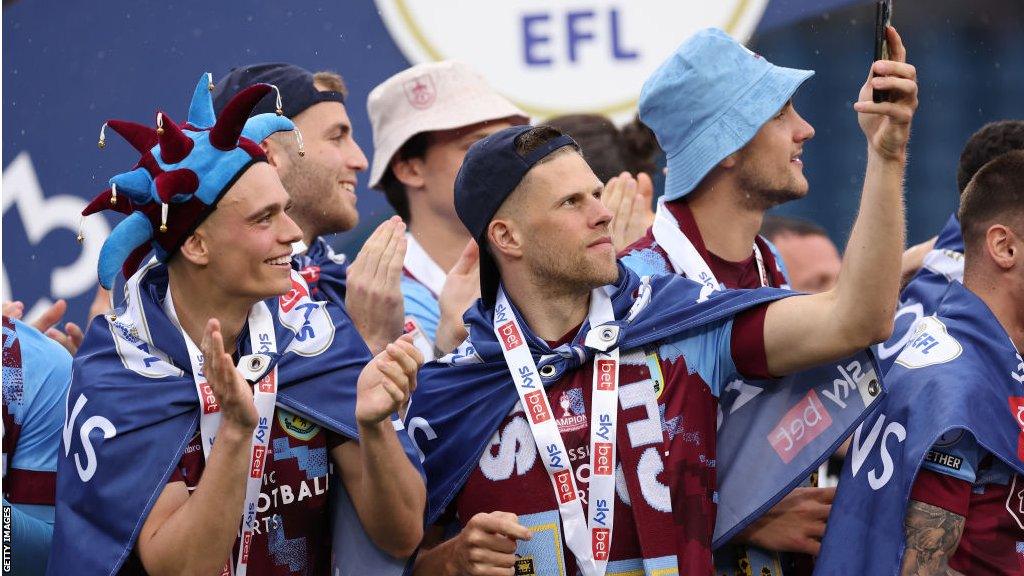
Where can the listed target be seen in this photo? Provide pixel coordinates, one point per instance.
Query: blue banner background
(69, 66)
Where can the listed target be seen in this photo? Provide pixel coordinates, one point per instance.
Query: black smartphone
(883, 18)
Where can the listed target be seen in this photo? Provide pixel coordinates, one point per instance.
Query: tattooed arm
(933, 535)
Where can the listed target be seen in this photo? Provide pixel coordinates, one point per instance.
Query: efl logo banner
(552, 58)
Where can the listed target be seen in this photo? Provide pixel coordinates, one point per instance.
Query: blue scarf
(921, 296)
(137, 409)
(462, 398)
(960, 371)
(325, 271)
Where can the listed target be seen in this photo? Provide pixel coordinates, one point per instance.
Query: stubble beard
(761, 193)
(314, 205)
(571, 272)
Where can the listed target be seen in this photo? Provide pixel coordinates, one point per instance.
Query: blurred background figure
(808, 254)
(36, 376)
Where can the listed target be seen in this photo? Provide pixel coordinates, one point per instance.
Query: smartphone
(883, 18)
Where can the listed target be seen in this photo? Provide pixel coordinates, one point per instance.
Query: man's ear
(410, 172)
(276, 155)
(1004, 247)
(196, 248)
(504, 237)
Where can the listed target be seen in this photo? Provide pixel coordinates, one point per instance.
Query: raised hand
(887, 124)
(231, 390)
(373, 295)
(629, 201)
(487, 544)
(461, 289)
(795, 524)
(386, 383)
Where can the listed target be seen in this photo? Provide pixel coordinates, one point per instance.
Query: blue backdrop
(68, 66)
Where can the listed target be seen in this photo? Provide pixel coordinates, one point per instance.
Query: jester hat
(182, 174)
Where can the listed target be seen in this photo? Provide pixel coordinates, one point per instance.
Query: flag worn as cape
(960, 371)
(921, 296)
(462, 398)
(325, 271)
(132, 409)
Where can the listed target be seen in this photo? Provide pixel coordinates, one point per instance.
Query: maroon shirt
(511, 477)
(292, 531)
(993, 506)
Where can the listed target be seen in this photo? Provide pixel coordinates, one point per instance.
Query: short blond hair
(331, 81)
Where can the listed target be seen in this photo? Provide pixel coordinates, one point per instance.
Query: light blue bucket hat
(708, 100)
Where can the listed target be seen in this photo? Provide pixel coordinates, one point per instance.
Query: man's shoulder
(646, 257)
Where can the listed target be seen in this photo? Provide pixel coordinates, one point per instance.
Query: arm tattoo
(933, 535)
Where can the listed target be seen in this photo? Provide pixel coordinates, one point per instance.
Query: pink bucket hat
(426, 98)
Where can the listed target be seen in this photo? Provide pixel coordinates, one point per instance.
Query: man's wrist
(895, 157)
(371, 429)
(232, 432)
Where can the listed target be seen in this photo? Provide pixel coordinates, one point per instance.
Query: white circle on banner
(552, 59)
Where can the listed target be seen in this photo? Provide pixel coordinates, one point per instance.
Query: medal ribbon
(588, 537)
(264, 343)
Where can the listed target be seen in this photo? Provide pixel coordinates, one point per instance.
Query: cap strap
(548, 147)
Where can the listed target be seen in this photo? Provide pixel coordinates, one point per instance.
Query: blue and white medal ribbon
(589, 538)
(264, 343)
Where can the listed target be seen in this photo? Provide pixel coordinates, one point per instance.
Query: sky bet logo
(210, 404)
(269, 383)
(603, 465)
(258, 455)
(536, 407)
(600, 543)
(246, 542)
(605, 375)
(563, 486)
(510, 337)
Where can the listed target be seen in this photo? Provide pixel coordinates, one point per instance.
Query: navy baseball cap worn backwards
(297, 91)
(708, 100)
(490, 172)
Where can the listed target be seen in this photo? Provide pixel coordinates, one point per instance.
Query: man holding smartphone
(734, 141)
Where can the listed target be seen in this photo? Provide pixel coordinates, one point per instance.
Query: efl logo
(294, 296)
(258, 454)
(605, 375)
(269, 383)
(603, 464)
(246, 541)
(564, 488)
(410, 327)
(510, 337)
(799, 427)
(210, 404)
(536, 407)
(599, 540)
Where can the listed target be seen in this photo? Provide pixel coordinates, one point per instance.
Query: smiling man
(320, 170)
(206, 412)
